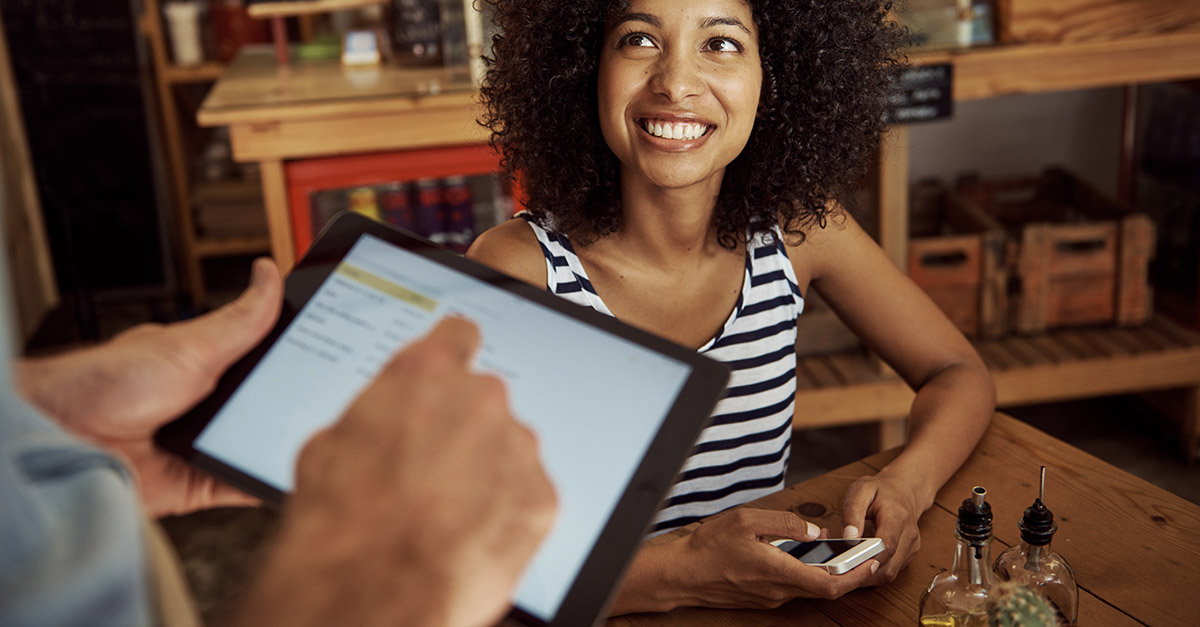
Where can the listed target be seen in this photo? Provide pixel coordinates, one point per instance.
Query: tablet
(615, 409)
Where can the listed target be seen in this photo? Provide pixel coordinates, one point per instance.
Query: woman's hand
(728, 562)
(893, 506)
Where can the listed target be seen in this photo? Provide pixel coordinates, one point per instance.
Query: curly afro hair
(826, 67)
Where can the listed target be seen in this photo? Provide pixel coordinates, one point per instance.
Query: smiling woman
(824, 67)
(682, 161)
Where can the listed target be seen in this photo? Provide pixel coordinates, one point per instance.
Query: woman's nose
(676, 76)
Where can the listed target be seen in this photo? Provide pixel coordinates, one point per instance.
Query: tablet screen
(595, 400)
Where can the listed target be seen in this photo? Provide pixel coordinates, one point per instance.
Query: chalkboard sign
(922, 93)
(415, 27)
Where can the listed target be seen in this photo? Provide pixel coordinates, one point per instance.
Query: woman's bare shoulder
(825, 244)
(512, 248)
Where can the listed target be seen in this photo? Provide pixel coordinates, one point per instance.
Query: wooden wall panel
(35, 290)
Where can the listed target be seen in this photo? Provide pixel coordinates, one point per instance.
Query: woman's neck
(667, 226)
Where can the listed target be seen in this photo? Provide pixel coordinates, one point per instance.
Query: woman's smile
(673, 134)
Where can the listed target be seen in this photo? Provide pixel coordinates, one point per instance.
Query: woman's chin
(682, 179)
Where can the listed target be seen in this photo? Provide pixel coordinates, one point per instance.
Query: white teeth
(679, 130)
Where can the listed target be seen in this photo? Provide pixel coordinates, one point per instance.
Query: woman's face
(679, 87)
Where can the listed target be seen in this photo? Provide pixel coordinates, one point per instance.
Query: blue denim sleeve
(71, 546)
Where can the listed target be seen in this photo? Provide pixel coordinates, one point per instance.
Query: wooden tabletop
(289, 8)
(1135, 548)
(254, 89)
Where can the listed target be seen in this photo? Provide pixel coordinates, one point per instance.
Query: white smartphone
(836, 556)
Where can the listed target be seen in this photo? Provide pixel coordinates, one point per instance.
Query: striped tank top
(743, 454)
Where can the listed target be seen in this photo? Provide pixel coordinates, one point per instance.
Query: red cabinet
(379, 184)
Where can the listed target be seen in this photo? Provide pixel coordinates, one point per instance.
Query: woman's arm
(955, 395)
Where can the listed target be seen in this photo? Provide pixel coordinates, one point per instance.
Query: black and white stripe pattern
(743, 454)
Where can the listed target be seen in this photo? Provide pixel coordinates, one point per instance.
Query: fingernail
(850, 531)
(874, 567)
(258, 273)
(813, 530)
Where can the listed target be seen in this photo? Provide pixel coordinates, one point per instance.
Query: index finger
(854, 508)
(889, 525)
(458, 334)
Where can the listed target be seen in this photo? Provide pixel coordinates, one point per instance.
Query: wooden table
(322, 108)
(1135, 548)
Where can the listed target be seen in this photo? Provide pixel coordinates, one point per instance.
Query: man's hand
(117, 394)
(421, 506)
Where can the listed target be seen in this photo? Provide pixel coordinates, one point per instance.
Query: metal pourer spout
(978, 495)
(1037, 524)
(975, 517)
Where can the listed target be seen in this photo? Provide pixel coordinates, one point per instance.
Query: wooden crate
(1175, 272)
(1055, 21)
(1078, 257)
(956, 253)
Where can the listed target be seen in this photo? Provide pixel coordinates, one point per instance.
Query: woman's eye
(638, 40)
(721, 44)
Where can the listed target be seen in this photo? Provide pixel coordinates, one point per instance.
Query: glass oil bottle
(1034, 564)
(958, 597)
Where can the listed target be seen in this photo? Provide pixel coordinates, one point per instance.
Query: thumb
(228, 333)
(783, 524)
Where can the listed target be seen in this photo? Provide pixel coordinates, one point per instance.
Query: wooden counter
(322, 108)
(1135, 548)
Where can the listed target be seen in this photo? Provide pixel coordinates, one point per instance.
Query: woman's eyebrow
(638, 17)
(724, 21)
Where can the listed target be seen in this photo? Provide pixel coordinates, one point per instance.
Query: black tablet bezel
(594, 584)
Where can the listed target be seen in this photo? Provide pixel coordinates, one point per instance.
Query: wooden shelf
(306, 7)
(1034, 68)
(194, 247)
(847, 388)
(204, 73)
(227, 247)
(227, 190)
(1067, 364)
(254, 91)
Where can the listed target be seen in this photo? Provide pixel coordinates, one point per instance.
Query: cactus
(1014, 605)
